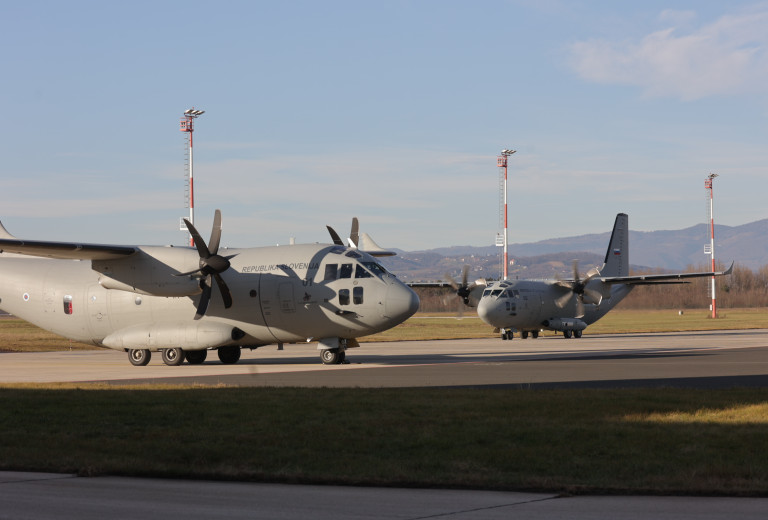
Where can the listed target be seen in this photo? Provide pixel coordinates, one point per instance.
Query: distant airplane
(567, 306)
(144, 299)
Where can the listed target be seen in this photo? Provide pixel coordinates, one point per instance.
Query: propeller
(211, 265)
(578, 288)
(463, 290)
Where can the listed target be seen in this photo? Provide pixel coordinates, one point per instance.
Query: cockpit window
(376, 268)
(337, 250)
(360, 272)
(331, 271)
(346, 271)
(353, 254)
(487, 292)
(496, 292)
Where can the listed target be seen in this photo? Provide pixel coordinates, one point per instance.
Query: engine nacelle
(562, 324)
(171, 287)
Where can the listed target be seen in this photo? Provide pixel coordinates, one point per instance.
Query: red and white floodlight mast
(501, 162)
(187, 125)
(708, 186)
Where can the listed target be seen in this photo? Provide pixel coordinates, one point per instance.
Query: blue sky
(393, 112)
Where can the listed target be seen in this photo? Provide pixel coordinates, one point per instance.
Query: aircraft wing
(648, 279)
(63, 250)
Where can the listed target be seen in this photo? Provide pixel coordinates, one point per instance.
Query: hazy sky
(393, 112)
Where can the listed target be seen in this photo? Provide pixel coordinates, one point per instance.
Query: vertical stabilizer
(617, 256)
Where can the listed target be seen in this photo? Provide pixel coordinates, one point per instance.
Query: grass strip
(629, 441)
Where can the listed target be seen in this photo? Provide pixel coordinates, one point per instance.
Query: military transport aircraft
(144, 299)
(567, 306)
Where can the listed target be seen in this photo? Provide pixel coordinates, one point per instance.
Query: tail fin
(617, 256)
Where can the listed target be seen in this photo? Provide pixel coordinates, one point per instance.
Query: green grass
(673, 441)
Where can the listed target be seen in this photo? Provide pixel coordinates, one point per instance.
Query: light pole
(708, 186)
(187, 125)
(501, 162)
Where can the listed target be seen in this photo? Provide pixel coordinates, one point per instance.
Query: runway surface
(689, 359)
(59, 497)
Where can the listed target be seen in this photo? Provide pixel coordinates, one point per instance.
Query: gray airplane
(184, 301)
(567, 306)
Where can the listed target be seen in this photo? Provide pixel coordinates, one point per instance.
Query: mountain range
(674, 250)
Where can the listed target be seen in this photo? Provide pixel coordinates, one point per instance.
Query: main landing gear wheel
(229, 355)
(567, 334)
(577, 334)
(139, 357)
(535, 334)
(172, 357)
(507, 334)
(195, 357)
(332, 356)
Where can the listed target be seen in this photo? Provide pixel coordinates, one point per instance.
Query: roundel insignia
(25, 296)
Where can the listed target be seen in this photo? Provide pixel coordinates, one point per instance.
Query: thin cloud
(726, 57)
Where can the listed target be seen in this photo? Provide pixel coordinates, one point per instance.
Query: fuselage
(280, 294)
(529, 305)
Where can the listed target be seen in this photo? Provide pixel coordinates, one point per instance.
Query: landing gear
(172, 357)
(229, 355)
(195, 357)
(507, 334)
(333, 356)
(577, 334)
(524, 334)
(535, 334)
(139, 357)
(567, 334)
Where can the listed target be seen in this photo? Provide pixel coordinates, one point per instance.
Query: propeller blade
(592, 296)
(213, 243)
(354, 236)
(226, 295)
(579, 308)
(205, 297)
(202, 249)
(335, 236)
(564, 299)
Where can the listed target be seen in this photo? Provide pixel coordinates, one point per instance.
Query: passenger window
(67, 304)
(346, 271)
(344, 297)
(360, 272)
(357, 295)
(331, 271)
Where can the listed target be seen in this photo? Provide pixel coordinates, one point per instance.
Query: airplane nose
(401, 302)
(485, 311)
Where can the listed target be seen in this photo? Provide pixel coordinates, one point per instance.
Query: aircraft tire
(139, 357)
(577, 334)
(229, 355)
(524, 334)
(567, 334)
(195, 357)
(535, 334)
(172, 357)
(331, 356)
